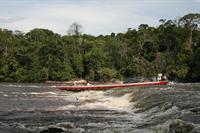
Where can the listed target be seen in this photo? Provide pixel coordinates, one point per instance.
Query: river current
(42, 108)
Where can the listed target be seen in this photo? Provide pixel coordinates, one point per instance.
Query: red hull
(105, 87)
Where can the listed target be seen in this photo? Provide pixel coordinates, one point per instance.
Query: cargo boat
(110, 86)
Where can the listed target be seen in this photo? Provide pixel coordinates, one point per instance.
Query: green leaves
(106, 74)
(172, 48)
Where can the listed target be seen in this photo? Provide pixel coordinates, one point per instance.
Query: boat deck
(110, 86)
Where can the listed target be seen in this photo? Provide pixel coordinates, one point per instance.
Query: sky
(96, 16)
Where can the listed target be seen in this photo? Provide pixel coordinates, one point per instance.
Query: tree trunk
(6, 51)
(190, 38)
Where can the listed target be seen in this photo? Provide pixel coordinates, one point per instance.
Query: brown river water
(42, 108)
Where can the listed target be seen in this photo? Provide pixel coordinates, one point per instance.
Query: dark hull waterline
(105, 87)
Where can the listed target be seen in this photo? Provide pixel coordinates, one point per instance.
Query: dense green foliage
(172, 48)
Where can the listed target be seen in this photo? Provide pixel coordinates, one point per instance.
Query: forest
(171, 48)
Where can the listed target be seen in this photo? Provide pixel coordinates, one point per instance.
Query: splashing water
(40, 108)
(97, 100)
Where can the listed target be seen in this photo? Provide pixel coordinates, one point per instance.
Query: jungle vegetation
(172, 48)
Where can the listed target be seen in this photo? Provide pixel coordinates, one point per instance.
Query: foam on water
(35, 94)
(97, 100)
(20, 85)
(138, 109)
(5, 95)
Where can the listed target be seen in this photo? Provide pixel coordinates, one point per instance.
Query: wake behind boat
(110, 86)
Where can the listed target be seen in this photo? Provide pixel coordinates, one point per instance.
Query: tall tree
(75, 29)
(192, 22)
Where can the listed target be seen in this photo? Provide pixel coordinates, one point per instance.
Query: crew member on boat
(161, 77)
(88, 84)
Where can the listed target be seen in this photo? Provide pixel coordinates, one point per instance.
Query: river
(42, 108)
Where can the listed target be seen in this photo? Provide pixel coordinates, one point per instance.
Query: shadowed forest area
(172, 48)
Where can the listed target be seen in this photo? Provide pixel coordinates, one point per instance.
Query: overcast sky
(96, 16)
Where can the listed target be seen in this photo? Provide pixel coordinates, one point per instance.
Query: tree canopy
(172, 48)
